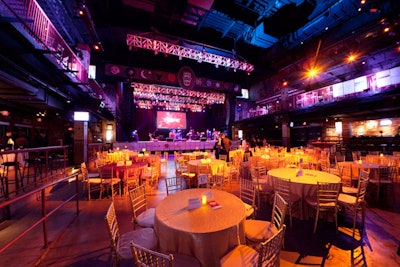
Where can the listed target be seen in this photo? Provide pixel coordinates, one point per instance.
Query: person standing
(226, 145)
(218, 147)
(10, 141)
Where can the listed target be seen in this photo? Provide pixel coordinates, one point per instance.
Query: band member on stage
(135, 136)
(191, 134)
(215, 134)
(209, 134)
(172, 134)
(151, 137)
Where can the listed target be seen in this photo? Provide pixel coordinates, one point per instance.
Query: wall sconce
(109, 132)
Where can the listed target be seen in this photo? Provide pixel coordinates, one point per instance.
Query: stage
(165, 146)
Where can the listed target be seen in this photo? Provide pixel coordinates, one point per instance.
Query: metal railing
(45, 154)
(45, 214)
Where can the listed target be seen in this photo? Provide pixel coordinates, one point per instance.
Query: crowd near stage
(166, 145)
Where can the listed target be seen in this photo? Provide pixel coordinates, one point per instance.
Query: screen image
(171, 120)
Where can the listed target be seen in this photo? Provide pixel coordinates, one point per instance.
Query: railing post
(44, 214)
(77, 192)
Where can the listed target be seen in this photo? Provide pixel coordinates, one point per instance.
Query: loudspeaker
(169, 140)
(203, 139)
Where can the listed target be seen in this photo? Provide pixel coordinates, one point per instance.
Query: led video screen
(171, 120)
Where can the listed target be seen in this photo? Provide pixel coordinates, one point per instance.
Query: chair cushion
(94, 180)
(258, 230)
(349, 190)
(241, 255)
(145, 237)
(146, 218)
(347, 199)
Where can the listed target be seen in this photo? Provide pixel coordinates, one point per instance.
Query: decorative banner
(168, 78)
(186, 78)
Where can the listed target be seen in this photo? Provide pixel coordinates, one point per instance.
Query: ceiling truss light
(134, 41)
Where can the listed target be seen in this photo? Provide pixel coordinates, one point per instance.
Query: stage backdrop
(145, 121)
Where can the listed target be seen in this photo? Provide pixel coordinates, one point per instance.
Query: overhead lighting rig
(135, 41)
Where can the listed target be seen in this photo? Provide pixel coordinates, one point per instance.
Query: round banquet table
(197, 155)
(204, 233)
(356, 166)
(120, 169)
(304, 185)
(216, 165)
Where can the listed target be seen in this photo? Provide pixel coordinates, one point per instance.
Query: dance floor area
(83, 240)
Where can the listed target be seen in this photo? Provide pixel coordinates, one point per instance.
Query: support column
(80, 141)
(285, 119)
(285, 132)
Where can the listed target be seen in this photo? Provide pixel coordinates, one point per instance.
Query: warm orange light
(285, 83)
(351, 58)
(312, 72)
(362, 2)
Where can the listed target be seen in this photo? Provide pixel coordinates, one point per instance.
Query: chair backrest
(270, 249)
(278, 211)
(112, 226)
(216, 181)
(387, 173)
(327, 193)
(202, 179)
(173, 184)
(324, 164)
(363, 174)
(144, 257)
(247, 191)
(340, 158)
(106, 173)
(132, 175)
(344, 170)
(262, 170)
(84, 171)
(138, 200)
(273, 163)
(203, 169)
(361, 190)
(283, 187)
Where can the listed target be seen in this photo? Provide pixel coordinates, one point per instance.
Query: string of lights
(148, 96)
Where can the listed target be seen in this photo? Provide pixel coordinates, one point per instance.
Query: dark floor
(82, 240)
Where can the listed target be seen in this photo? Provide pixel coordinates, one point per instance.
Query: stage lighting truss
(149, 96)
(184, 52)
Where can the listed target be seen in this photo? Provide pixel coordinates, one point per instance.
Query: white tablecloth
(305, 185)
(204, 233)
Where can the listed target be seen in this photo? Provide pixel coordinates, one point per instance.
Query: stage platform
(165, 145)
